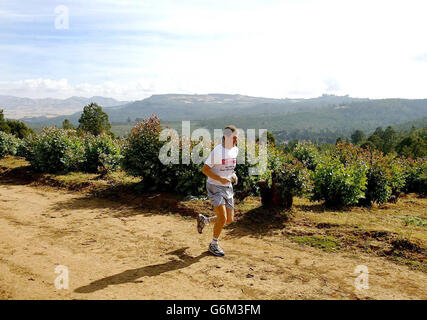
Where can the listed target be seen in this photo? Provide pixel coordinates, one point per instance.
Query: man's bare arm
(208, 172)
(234, 177)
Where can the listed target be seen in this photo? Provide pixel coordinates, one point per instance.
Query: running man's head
(229, 138)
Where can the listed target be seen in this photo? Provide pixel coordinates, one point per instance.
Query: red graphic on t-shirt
(229, 161)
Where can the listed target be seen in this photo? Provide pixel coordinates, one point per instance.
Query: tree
(412, 146)
(379, 132)
(94, 120)
(271, 139)
(66, 124)
(19, 129)
(376, 141)
(368, 145)
(389, 138)
(3, 125)
(357, 136)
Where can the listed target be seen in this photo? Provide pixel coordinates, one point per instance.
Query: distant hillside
(365, 115)
(408, 125)
(177, 107)
(16, 108)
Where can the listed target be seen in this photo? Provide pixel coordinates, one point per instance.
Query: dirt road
(113, 251)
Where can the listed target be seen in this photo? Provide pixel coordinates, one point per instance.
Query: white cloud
(42, 88)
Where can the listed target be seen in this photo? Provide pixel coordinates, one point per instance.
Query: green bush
(23, 148)
(397, 175)
(8, 144)
(55, 150)
(293, 178)
(102, 153)
(307, 153)
(141, 152)
(188, 179)
(378, 189)
(339, 183)
(416, 176)
(385, 178)
(284, 178)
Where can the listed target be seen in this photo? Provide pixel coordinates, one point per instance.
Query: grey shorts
(220, 195)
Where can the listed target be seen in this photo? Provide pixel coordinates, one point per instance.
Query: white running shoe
(216, 250)
(201, 222)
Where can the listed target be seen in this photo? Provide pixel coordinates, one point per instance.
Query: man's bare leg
(230, 215)
(220, 220)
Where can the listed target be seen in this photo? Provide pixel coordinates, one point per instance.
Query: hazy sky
(131, 49)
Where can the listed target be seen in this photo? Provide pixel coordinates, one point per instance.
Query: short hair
(229, 130)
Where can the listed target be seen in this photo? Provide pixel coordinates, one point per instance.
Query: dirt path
(113, 251)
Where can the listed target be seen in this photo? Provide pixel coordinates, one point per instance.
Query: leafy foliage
(8, 144)
(416, 176)
(94, 120)
(140, 155)
(307, 153)
(386, 177)
(340, 177)
(55, 150)
(102, 153)
(357, 136)
(66, 124)
(292, 179)
(15, 127)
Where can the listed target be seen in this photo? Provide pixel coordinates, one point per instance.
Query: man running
(219, 168)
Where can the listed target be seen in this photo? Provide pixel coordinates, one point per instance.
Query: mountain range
(177, 107)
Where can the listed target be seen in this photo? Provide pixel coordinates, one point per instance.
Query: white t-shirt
(222, 162)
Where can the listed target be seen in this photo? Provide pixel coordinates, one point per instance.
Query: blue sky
(132, 49)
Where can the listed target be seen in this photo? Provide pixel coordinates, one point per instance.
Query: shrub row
(349, 175)
(58, 150)
(342, 175)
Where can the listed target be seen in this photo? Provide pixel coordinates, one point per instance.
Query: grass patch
(327, 243)
(74, 177)
(413, 264)
(10, 162)
(415, 221)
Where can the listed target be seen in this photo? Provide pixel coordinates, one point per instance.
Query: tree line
(412, 143)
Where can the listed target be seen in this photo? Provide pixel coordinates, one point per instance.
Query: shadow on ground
(259, 222)
(131, 276)
(17, 176)
(128, 204)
